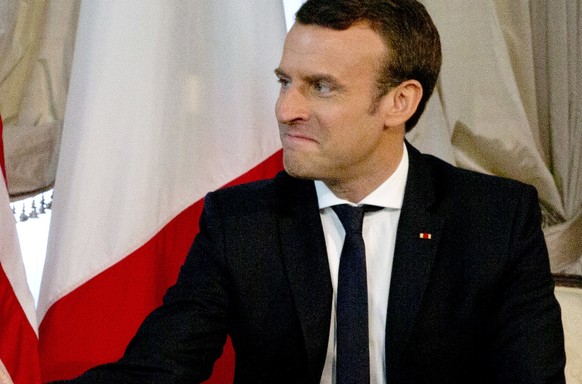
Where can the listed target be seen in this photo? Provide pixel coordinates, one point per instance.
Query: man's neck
(357, 188)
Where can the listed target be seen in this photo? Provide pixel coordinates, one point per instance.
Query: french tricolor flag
(19, 362)
(168, 100)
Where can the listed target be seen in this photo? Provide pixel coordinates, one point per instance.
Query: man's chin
(299, 175)
(298, 170)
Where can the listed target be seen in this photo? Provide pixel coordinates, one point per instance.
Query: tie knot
(351, 217)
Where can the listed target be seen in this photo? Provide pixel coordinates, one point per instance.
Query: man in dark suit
(457, 287)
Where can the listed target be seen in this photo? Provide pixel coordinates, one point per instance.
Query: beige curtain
(508, 103)
(558, 68)
(36, 48)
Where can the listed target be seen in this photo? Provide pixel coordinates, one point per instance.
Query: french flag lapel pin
(425, 235)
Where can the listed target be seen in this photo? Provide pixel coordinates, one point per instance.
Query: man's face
(328, 125)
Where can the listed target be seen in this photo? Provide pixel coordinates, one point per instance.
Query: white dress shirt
(379, 232)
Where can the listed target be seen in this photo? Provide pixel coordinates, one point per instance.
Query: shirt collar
(389, 194)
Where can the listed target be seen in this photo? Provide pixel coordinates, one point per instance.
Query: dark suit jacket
(474, 304)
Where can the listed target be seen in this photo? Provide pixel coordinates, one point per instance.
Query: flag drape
(152, 124)
(18, 338)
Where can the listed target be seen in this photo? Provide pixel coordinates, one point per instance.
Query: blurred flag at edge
(151, 126)
(18, 338)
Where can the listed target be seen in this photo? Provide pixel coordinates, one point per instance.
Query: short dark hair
(407, 30)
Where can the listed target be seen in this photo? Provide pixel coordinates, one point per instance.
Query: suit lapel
(305, 259)
(418, 235)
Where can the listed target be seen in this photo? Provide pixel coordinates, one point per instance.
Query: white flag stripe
(11, 259)
(291, 7)
(157, 89)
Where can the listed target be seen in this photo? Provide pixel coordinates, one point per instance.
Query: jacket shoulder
(473, 185)
(256, 196)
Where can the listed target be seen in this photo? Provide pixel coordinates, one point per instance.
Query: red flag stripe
(92, 334)
(18, 342)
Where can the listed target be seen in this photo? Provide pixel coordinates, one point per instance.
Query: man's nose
(291, 106)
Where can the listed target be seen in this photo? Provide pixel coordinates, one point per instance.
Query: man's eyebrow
(280, 73)
(317, 77)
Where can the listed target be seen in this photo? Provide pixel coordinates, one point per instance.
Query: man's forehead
(312, 34)
(323, 50)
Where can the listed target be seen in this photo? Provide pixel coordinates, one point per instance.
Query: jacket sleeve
(526, 329)
(180, 340)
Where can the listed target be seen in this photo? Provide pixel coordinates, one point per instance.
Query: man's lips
(292, 138)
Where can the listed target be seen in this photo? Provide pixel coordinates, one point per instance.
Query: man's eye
(284, 82)
(322, 88)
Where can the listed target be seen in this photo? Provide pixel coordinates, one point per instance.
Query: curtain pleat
(36, 48)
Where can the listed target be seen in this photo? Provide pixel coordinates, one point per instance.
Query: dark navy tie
(353, 356)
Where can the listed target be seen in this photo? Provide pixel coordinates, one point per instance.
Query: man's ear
(401, 102)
